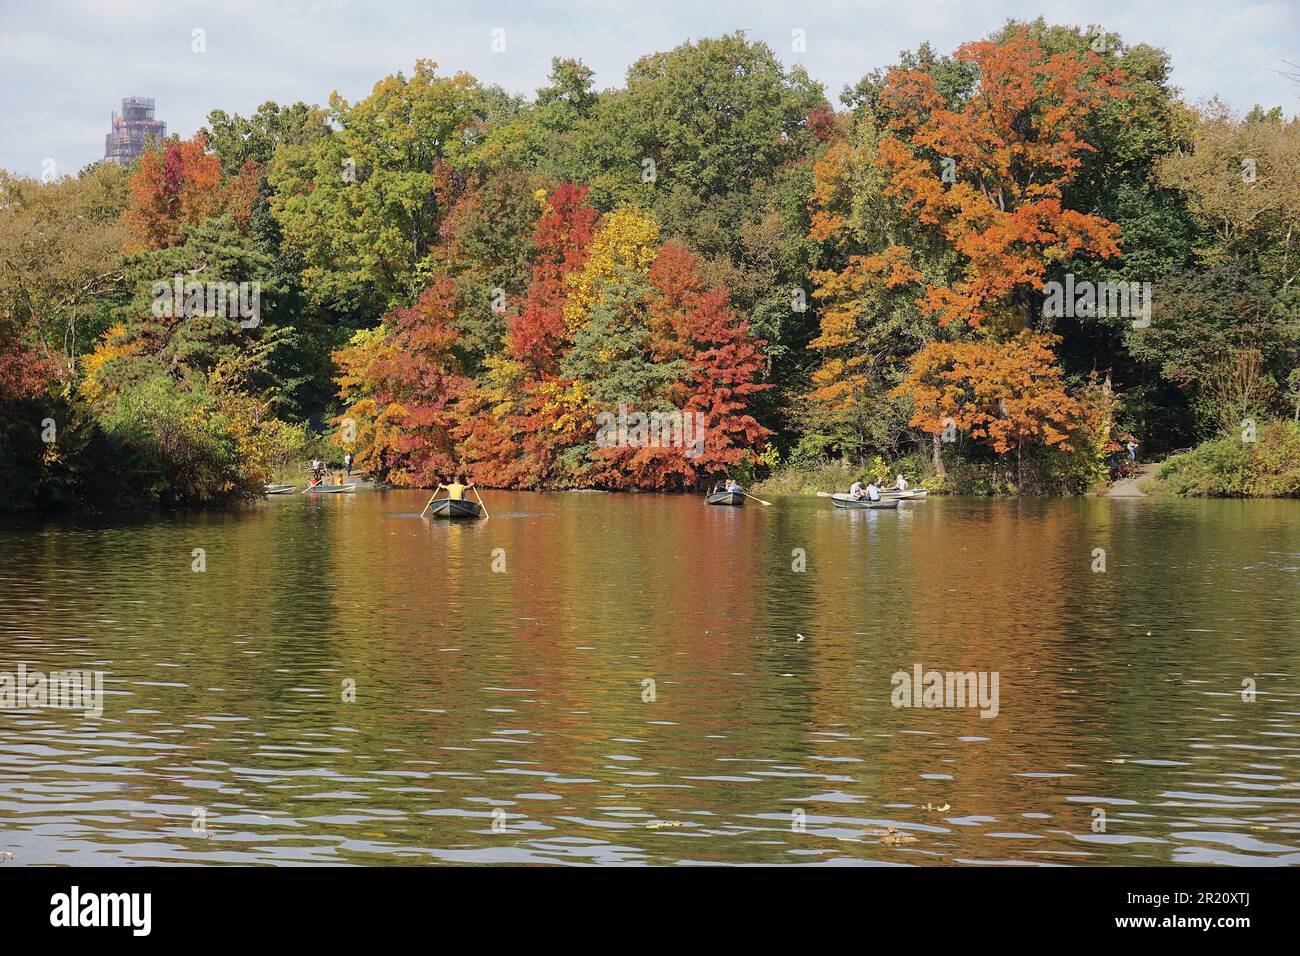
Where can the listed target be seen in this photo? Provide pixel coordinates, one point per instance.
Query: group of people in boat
(871, 491)
(320, 475)
(730, 484)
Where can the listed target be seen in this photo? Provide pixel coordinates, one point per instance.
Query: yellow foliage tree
(627, 241)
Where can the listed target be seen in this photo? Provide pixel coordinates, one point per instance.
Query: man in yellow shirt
(456, 490)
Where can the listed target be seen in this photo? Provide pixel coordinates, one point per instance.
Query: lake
(642, 679)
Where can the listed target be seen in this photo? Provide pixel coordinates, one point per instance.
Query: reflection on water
(505, 717)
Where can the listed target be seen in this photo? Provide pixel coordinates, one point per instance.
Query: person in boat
(733, 485)
(317, 471)
(873, 490)
(857, 491)
(456, 490)
(900, 484)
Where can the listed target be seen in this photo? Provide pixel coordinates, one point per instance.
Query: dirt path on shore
(1128, 487)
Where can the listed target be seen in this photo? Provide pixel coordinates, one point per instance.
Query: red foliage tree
(421, 378)
(24, 371)
(514, 432)
(691, 321)
(538, 336)
(182, 184)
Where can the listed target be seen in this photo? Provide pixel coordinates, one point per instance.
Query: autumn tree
(989, 173)
(413, 380)
(519, 416)
(1004, 395)
(725, 363)
(485, 245)
(869, 319)
(182, 184)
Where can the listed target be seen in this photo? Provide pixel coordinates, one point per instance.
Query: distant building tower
(131, 128)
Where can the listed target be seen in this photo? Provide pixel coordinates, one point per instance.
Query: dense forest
(991, 269)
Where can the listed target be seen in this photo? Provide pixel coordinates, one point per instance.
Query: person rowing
(456, 490)
(733, 486)
(856, 491)
(873, 490)
(901, 484)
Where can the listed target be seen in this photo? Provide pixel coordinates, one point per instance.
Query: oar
(486, 516)
(427, 503)
(759, 500)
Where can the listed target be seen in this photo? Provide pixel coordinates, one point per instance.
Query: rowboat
(733, 498)
(449, 508)
(329, 489)
(842, 500)
(279, 489)
(912, 494)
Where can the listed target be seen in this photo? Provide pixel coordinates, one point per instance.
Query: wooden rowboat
(842, 500)
(279, 489)
(329, 489)
(448, 508)
(733, 498)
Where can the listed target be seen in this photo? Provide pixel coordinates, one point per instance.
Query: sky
(68, 63)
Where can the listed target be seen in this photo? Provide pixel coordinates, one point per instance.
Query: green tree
(363, 205)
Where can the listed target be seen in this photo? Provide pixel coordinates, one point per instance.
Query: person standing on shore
(347, 463)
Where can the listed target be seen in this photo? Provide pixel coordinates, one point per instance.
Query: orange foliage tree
(182, 184)
(1009, 151)
(1004, 395)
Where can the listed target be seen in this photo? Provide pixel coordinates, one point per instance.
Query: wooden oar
(486, 516)
(759, 500)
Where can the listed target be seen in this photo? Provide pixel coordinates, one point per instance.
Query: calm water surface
(500, 717)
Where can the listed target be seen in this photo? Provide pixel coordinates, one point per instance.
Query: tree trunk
(938, 456)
